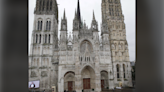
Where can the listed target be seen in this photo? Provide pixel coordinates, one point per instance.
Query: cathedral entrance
(104, 80)
(88, 78)
(70, 85)
(102, 84)
(69, 81)
(86, 83)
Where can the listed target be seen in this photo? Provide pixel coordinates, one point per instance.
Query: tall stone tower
(112, 14)
(44, 44)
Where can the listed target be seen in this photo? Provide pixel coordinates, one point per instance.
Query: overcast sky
(87, 7)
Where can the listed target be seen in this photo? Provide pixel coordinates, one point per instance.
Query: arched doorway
(88, 78)
(104, 80)
(69, 81)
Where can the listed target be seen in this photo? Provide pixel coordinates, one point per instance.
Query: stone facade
(102, 60)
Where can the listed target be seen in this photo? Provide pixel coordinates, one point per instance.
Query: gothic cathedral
(84, 61)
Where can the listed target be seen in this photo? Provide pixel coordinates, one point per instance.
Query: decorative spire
(78, 11)
(79, 15)
(75, 14)
(93, 15)
(64, 15)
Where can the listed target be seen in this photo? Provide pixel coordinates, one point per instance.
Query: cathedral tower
(44, 44)
(112, 12)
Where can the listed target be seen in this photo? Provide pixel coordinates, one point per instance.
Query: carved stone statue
(126, 47)
(113, 47)
(119, 46)
(33, 74)
(43, 73)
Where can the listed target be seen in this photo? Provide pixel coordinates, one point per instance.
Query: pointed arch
(49, 25)
(50, 5)
(49, 39)
(47, 62)
(47, 4)
(40, 4)
(40, 39)
(45, 38)
(36, 38)
(124, 70)
(38, 24)
(118, 70)
(38, 62)
(43, 5)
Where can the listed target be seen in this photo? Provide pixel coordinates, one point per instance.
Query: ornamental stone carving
(120, 47)
(113, 47)
(44, 74)
(126, 47)
(33, 74)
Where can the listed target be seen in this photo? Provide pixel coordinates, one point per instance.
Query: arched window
(49, 25)
(124, 69)
(47, 62)
(49, 38)
(40, 39)
(40, 5)
(37, 62)
(47, 5)
(43, 6)
(38, 50)
(34, 62)
(44, 62)
(36, 38)
(117, 66)
(45, 38)
(38, 24)
(41, 25)
(51, 5)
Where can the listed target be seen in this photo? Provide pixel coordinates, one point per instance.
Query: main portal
(86, 83)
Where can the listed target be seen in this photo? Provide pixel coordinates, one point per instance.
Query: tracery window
(47, 5)
(40, 39)
(41, 25)
(40, 4)
(47, 25)
(50, 5)
(124, 69)
(117, 66)
(45, 38)
(43, 6)
(36, 38)
(38, 24)
(49, 39)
